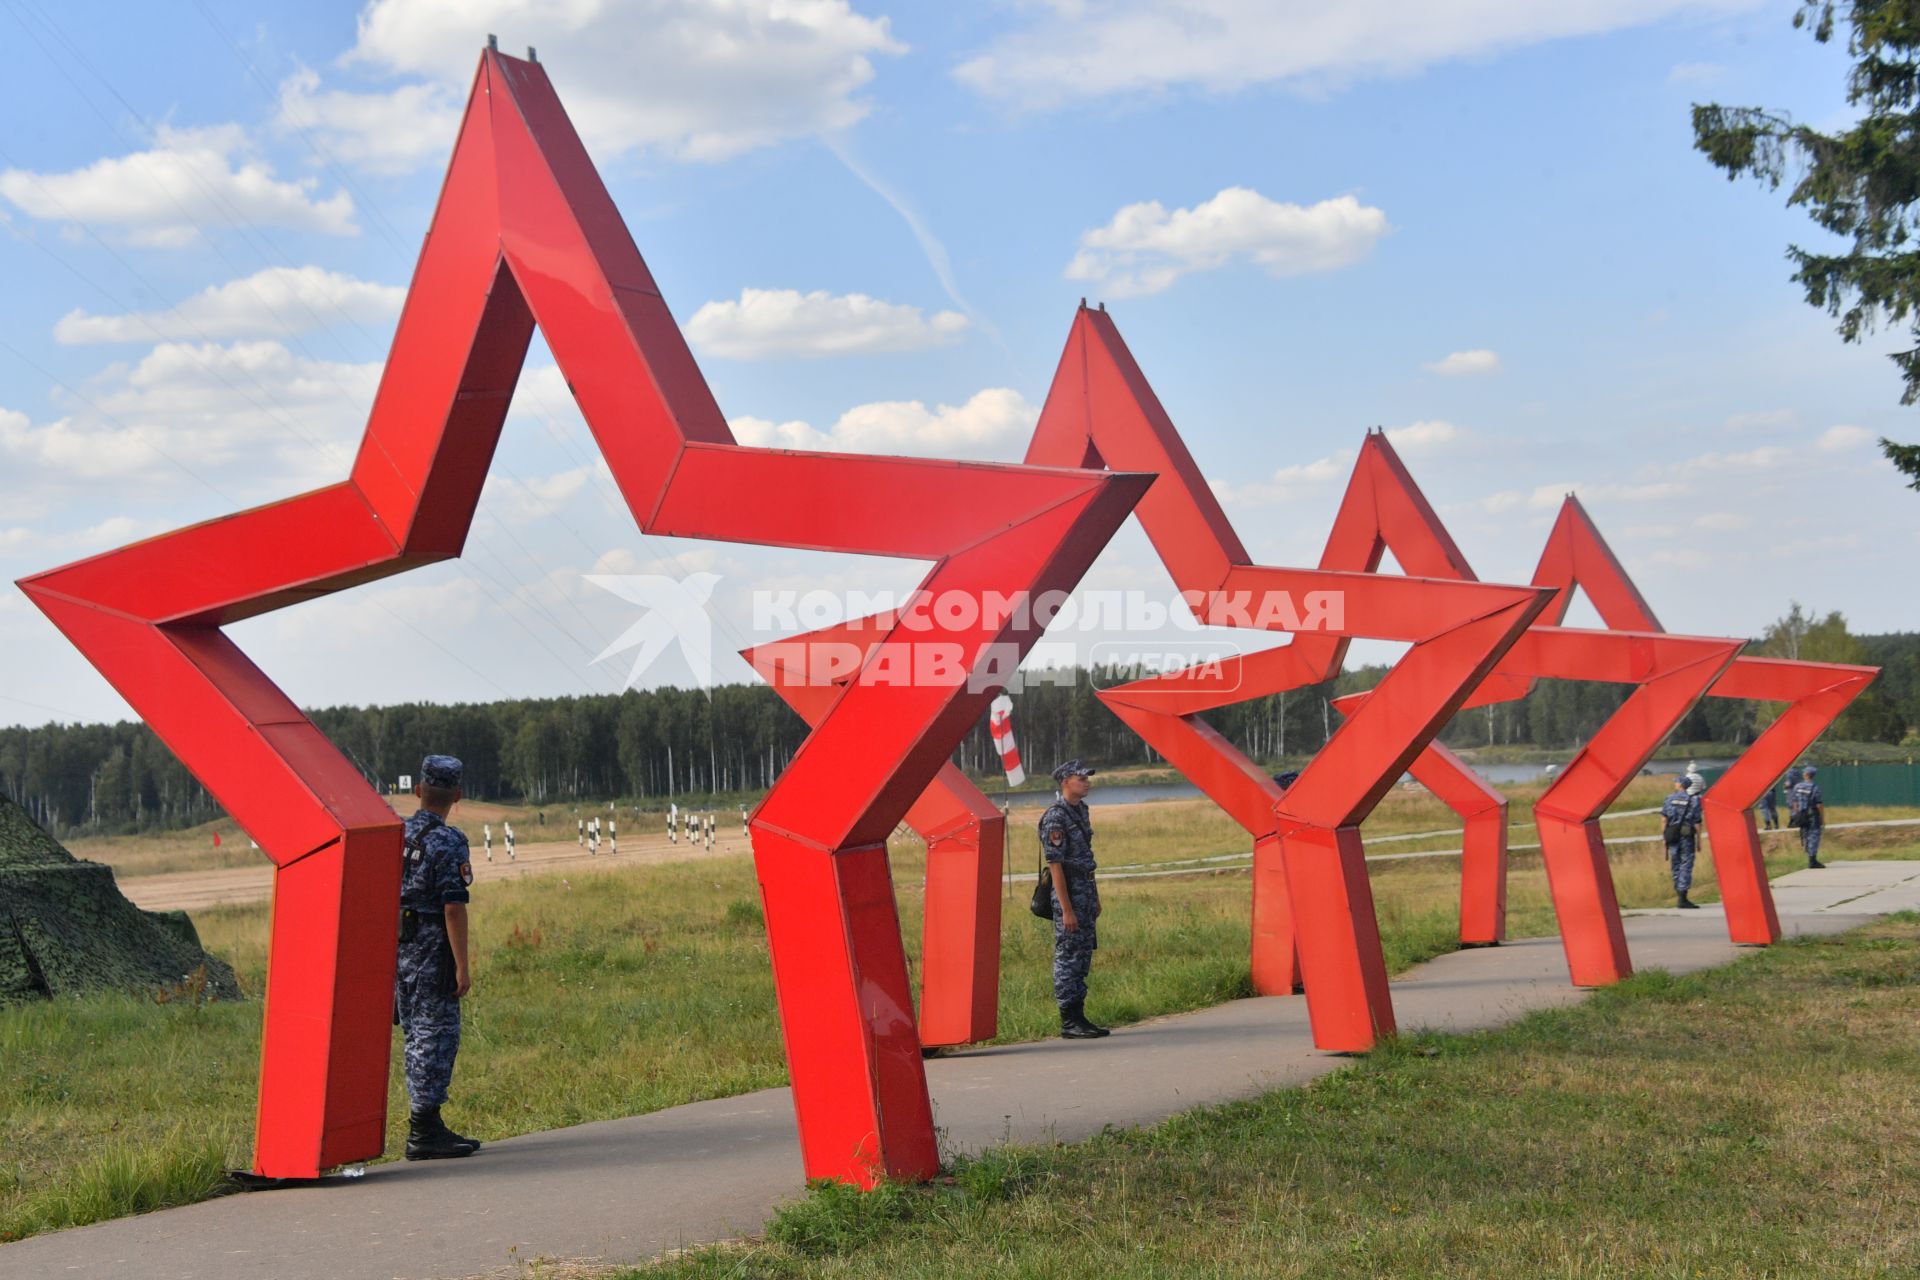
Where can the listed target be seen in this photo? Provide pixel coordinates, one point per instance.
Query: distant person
(433, 974)
(1681, 813)
(1769, 806)
(1066, 841)
(1809, 813)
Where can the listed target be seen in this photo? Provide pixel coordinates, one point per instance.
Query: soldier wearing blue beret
(1681, 814)
(1809, 813)
(1066, 841)
(433, 973)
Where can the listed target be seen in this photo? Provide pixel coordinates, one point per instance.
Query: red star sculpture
(1576, 555)
(1307, 850)
(1384, 510)
(525, 234)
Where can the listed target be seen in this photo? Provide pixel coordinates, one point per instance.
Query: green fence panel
(1870, 784)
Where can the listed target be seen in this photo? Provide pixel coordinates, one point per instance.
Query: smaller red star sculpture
(1310, 877)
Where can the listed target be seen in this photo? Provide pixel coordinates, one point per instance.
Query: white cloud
(112, 532)
(1465, 364)
(1548, 497)
(275, 302)
(191, 180)
(1078, 51)
(249, 413)
(1287, 483)
(767, 323)
(1145, 249)
(1835, 439)
(989, 419)
(522, 501)
(1825, 542)
(1762, 419)
(1695, 73)
(1763, 458)
(1425, 436)
(361, 126)
(696, 79)
(1681, 558)
(1723, 521)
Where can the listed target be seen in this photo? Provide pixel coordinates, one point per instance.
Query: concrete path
(623, 1190)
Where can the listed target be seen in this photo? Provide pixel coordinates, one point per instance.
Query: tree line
(669, 744)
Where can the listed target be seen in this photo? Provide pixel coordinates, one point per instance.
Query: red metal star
(1397, 512)
(525, 234)
(1576, 555)
(1384, 510)
(1307, 850)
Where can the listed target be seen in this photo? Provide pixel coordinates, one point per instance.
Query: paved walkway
(622, 1190)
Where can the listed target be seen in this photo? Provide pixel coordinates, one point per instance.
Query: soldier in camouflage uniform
(433, 975)
(1066, 840)
(1809, 807)
(1681, 813)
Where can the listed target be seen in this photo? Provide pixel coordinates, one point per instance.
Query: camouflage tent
(66, 929)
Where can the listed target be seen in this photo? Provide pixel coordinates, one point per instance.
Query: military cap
(442, 771)
(1809, 771)
(1071, 769)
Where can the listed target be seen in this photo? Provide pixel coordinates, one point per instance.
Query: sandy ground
(198, 890)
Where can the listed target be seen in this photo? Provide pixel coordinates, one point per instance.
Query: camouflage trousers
(1810, 841)
(1073, 952)
(429, 1013)
(1680, 860)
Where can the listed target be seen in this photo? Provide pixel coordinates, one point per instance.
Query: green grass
(1751, 1121)
(628, 989)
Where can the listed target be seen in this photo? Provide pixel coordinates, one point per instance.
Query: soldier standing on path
(1810, 815)
(1066, 841)
(1681, 813)
(1770, 807)
(433, 973)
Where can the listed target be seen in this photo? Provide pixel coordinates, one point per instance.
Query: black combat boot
(1074, 1024)
(1814, 864)
(458, 1137)
(430, 1139)
(1687, 904)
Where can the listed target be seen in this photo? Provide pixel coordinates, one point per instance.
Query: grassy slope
(1755, 1120)
(627, 990)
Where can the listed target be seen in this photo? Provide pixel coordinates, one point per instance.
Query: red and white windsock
(1000, 725)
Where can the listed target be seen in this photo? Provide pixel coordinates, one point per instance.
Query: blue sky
(1483, 228)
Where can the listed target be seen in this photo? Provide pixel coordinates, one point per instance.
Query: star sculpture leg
(965, 835)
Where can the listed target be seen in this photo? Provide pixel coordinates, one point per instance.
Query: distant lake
(1141, 792)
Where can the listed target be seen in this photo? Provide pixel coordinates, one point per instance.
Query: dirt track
(198, 890)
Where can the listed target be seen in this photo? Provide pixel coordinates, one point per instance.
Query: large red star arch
(526, 234)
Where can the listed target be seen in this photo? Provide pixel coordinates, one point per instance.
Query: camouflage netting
(65, 928)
